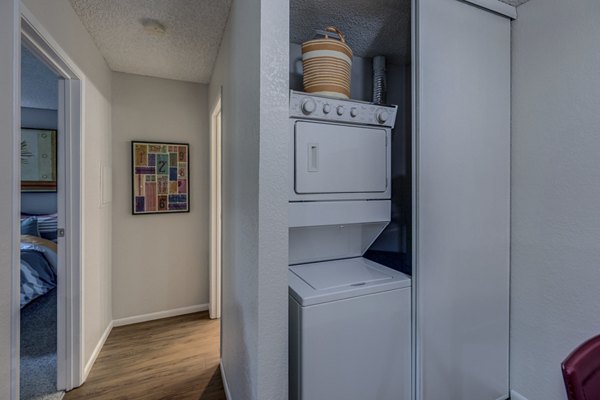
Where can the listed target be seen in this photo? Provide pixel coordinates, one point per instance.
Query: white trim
(514, 395)
(159, 315)
(215, 210)
(62, 284)
(74, 228)
(10, 114)
(496, 6)
(70, 363)
(97, 350)
(49, 49)
(224, 379)
(416, 392)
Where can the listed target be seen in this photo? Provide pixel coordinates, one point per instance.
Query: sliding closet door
(462, 196)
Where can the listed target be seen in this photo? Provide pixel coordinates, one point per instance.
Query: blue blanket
(38, 271)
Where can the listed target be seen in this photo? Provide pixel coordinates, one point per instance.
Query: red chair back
(581, 371)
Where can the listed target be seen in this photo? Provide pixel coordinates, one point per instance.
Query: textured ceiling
(187, 51)
(372, 27)
(39, 85)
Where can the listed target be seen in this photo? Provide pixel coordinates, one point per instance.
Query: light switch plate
(105, 185)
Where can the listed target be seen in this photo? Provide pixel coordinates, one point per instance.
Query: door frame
(70, 371)
(414, 81)
(216, 129)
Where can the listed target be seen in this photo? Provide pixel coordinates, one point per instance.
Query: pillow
(47, 226)
(29, 226)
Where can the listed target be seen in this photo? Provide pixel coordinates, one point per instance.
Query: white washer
(350, 331)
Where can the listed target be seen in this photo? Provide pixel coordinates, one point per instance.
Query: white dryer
(349, 317)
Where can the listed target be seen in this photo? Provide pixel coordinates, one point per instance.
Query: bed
(38, 262)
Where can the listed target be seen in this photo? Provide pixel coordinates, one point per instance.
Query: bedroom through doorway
(46, 302)
(39, 229)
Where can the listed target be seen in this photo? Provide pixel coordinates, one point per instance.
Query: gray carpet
(38, 349)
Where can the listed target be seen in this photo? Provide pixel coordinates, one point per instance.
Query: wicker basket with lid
(327, 64)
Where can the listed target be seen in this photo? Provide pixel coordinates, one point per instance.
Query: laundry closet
(399, 194)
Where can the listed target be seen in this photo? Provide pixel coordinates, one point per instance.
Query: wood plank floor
(172, 358)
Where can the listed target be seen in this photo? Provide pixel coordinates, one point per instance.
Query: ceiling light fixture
(153, 26)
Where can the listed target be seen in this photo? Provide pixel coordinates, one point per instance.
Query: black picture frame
(39, 185)
(147, 176)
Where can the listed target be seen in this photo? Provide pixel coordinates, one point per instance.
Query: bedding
(43, 225)
(38, 267)
(47, 226)
(29, 226)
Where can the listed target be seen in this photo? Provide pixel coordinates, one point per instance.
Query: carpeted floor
(38, 349)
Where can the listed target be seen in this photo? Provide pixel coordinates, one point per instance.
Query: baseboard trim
(159, 315)
(224, 378)
(96, 352)
(514, 395)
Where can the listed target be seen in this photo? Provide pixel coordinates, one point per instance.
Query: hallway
(172, 358)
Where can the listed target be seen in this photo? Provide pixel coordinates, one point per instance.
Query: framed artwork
(38, 160)
(160, 177)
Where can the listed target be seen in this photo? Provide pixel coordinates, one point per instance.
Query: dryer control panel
(310, 106)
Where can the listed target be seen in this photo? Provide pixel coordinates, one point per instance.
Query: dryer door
(334, 158)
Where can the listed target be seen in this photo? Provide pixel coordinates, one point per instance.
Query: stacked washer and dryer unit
(350, 318)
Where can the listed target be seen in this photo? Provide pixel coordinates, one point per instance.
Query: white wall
(38, 118)
(555, 190)
(160, 262)
(9, 184)
(252, 67)
(59, 19)
(39, 87)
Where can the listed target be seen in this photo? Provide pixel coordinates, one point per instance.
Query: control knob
(340, 110)
(353, 112)
(381, 115)
(308, 106)
(326, 108)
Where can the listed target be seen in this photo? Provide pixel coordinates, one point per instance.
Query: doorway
(40, 140)
(215, 211)
(64, 226)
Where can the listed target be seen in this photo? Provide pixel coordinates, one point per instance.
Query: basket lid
(331, 37)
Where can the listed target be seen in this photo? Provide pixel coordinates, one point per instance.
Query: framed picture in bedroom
(38, 160)
(160, 177)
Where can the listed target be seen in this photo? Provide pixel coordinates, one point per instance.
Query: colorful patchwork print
(160, 177)
(172, 159)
